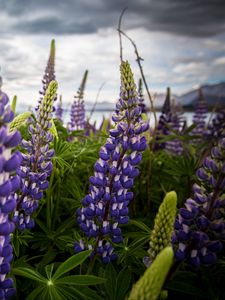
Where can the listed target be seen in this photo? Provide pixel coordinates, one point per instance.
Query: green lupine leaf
(13, 104)
(82, 293)
(105, 126)
(19, 120)
(90, 294)
(140, 225)
(110, 284)
(71, 263)
(36, 292)
(80, 280)
(123, 283)
(29, 273)
(54, 294)
(150, 284)
(53, 130)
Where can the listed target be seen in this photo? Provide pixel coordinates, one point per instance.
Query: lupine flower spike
(3, 96)
(176, 123)
(149, 286)
(77, 113)
(161, 235)
(141, 97)
(49, 74)
(216, 129)
(9, 183)
(200, 226)
(164, 119)
(105, 208)
(59, 110)
(200, 115)
(36, 164)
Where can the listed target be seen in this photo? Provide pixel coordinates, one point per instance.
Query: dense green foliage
(44, 265)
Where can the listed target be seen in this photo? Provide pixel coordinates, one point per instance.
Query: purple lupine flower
(200, 115)
(9, 183)
(105, 208)
(3, 96)
(141, 97)
(49, 74)
(59, 110)
(176, 123)
(217, 127)
(36, 162)
(77, 113)
(164, 119)
(200, 226)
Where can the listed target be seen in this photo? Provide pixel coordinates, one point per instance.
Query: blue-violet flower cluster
(105, 208)
(36, 163)
(164, 119)
(200, 115)
(9, 183)
(77, 112)
(49, 74)
(59, 110)
(200, 226)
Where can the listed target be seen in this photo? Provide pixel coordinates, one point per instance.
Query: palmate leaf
(117, 285)
(56, 287)
(35, 293)
(80, 280)
(29, 273)
(71, 263)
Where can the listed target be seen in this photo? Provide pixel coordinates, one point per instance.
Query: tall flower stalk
(216, 129)
(200, 115)
(200, 226)
(176, 123)
(77, 113)
(59, 110)
(3, 96)
(9, 183)
(164, 119)
(36, 162)
(49, 74)
(105, 208)
(141, 97)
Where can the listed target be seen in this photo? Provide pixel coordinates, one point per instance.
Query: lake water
(98, 116)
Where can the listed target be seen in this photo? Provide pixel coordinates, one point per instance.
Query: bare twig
(119, 31)
(96, 101)
(139, 59)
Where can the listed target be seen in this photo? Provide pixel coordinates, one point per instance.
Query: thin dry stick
(215, 107)
(151, 146)
(96, 101)
(139, 59)
(119, 31)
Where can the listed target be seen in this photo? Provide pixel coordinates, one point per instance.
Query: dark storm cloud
(200, 18)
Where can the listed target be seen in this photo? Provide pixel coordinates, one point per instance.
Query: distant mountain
(214, 94)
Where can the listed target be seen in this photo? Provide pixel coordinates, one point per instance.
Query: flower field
(123, 210)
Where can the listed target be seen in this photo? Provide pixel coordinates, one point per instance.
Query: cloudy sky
(182, 43)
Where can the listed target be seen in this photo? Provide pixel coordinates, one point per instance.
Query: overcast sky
(182, 43)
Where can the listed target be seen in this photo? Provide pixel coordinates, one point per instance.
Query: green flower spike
(19, 120)
(164, 225)
(150, 284)
(45, 109)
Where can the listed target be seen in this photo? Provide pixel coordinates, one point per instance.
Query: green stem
(91, 265)
(49, 204)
